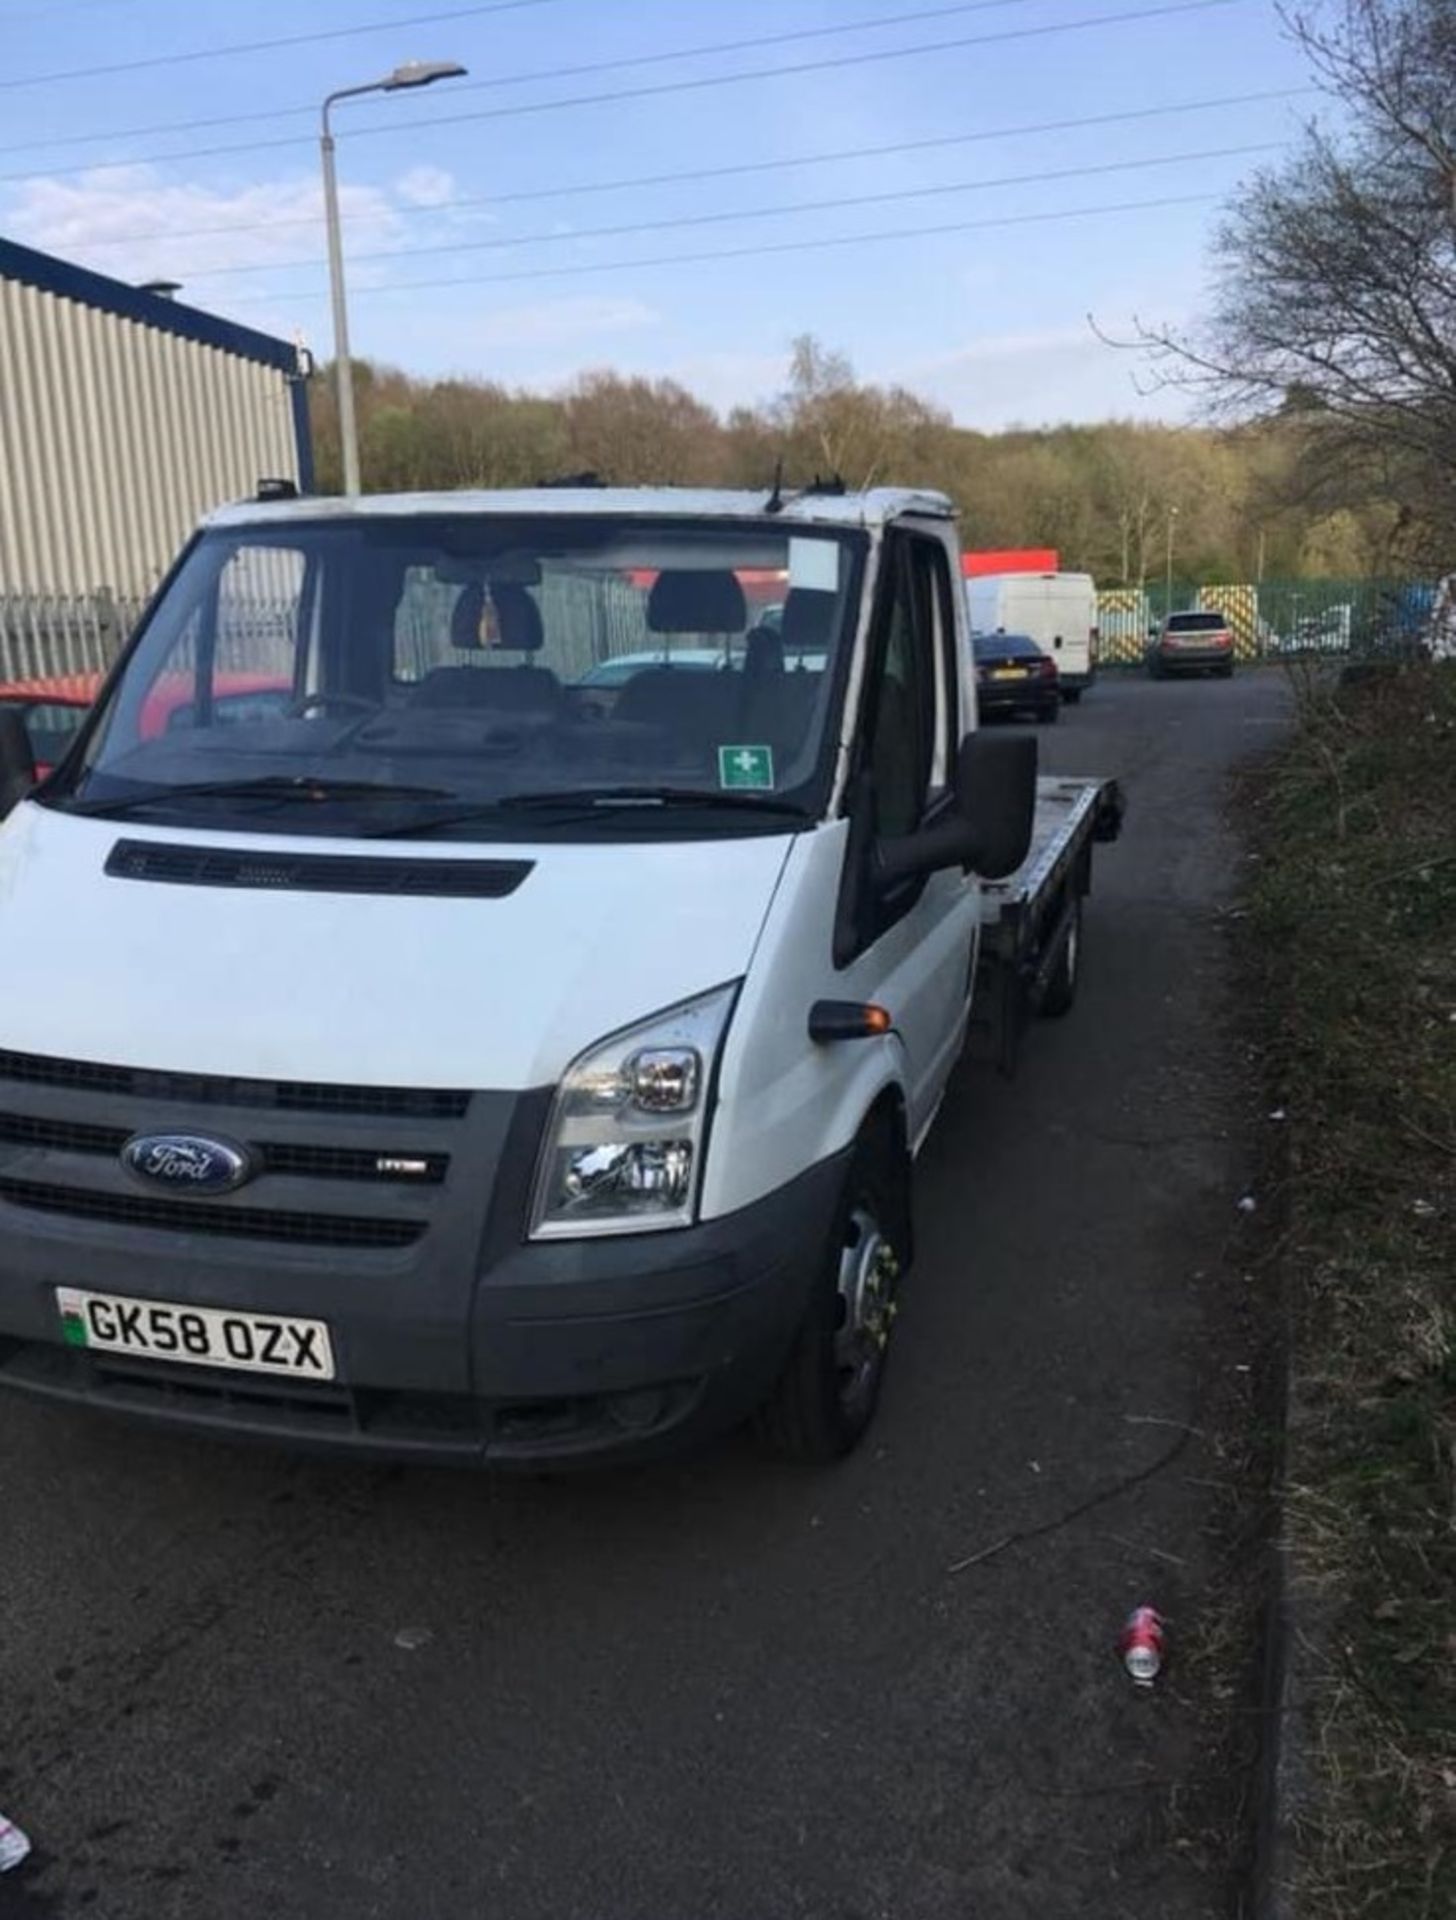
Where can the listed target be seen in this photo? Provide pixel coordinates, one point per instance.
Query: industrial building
(124, 416)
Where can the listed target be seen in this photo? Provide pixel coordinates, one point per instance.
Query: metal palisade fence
(1273, 620)
(50, 637)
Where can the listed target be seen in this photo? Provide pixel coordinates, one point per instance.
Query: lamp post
(414, 73)
(1168, 583)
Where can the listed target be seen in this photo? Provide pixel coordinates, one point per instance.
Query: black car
(1013, 675)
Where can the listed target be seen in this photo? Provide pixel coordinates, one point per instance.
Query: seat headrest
(465, 619)
(516, 619)
(690, 601)
(808, 622)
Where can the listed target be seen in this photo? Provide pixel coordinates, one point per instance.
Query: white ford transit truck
(416, 1041)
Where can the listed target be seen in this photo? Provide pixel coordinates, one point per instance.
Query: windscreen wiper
(586, 803)
(268, 786)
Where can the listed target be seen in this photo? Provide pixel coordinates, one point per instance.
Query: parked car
(1013, 675)
(51, 712)
(1196, 642)
(619, 669)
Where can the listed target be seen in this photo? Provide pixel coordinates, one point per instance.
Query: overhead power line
(677, 178)
(756, 251)
(887, 198)
(396, 125)
(269, 46)
(575, 72)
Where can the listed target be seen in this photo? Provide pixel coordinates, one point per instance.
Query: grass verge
(1353, 911)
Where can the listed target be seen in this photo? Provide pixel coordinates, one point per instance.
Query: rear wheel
(1061, 989)
(1226, 672)
(1049, 715)
(827, 1393)
(1071, 695)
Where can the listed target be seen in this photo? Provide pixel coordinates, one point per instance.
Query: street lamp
(1168, 588)
(414, 73)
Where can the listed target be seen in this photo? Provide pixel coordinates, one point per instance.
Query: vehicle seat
(697, 709)
(694, 707)
(761, 691)
(522, 689)
(778, 695)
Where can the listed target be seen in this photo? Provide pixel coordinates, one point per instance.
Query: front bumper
(563, 1352)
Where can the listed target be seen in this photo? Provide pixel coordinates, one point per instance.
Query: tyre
(1061, 989)
(1226, 673)
(1072, 695)
(826, 1396)
(1050, 714)
(1155, 670)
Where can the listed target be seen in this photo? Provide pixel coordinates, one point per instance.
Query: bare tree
(1335, 306)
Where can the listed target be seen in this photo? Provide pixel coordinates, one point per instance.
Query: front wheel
(826, 1396)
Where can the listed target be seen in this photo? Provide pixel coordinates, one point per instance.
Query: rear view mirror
(989, 827)
(996, 796)
(17, 761)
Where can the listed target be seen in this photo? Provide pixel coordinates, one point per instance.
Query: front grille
(239, 1223)
(384, 1164)
(279, 872)
(283, 1096)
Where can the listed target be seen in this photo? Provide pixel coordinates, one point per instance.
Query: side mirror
(989, 827)
(17, 761)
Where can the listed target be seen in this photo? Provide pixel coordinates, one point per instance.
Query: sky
(668, 187)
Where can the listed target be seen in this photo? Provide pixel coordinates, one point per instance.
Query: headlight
(624, 1149)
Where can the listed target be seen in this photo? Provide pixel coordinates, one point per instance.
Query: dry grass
(1355, 912)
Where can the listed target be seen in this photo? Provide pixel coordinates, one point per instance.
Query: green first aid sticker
(746, 767)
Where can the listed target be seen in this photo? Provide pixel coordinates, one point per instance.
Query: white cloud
(1040, 377)
(549, 322)
(426, 187)
(133, 224)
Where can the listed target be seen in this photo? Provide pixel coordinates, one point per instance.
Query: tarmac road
(721, 1690)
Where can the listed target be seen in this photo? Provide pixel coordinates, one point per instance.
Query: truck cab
(427, 1045)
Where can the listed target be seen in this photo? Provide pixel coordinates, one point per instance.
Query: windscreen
(422, 668)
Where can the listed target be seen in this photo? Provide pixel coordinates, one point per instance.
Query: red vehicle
(51, 711)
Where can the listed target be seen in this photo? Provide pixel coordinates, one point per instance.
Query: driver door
(921, 941)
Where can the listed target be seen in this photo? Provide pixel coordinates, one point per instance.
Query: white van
(1057, 610)
(413, 1045)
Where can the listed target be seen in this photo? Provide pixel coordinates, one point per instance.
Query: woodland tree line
(1101, 494)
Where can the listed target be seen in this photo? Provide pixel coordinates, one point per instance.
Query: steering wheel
(321, 701)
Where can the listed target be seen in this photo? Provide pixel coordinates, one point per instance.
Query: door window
(911, 694)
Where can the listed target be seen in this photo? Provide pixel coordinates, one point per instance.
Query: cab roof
(875, 508)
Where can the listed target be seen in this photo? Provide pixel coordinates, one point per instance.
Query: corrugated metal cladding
(124, 417)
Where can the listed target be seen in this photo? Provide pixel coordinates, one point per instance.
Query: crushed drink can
(1141, 1645)
(13, 1845)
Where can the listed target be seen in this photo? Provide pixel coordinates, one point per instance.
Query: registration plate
(199, 1336)
(1008, 673)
